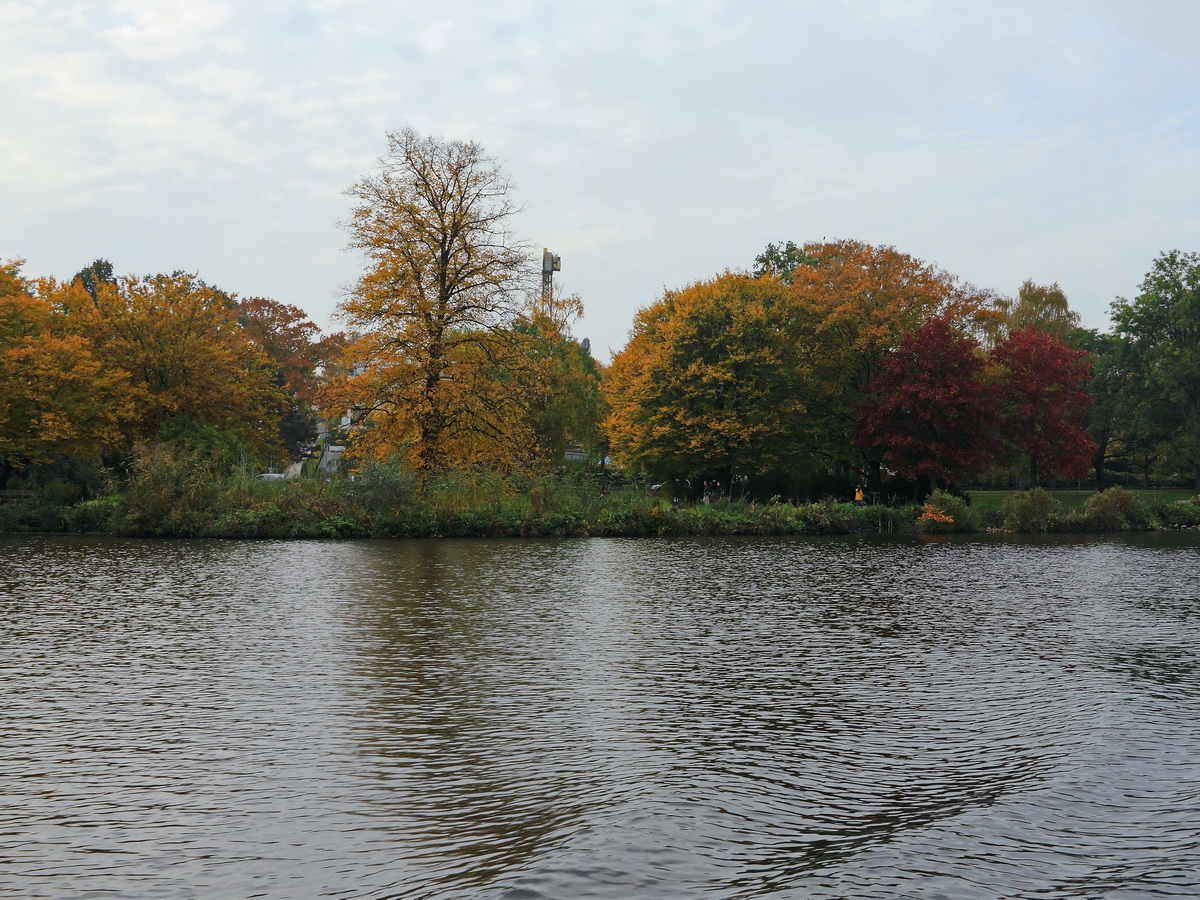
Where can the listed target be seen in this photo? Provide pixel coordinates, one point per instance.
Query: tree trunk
(431, 422)
(1033, 472)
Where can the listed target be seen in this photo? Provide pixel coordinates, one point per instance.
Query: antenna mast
(551, 263)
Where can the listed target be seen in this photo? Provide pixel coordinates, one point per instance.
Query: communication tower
(551, 263)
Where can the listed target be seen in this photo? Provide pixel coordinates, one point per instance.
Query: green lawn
(994, 499)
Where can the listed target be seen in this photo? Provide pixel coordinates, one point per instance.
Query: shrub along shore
(178, 496)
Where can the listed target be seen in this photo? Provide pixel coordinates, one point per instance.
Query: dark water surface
(727, 718)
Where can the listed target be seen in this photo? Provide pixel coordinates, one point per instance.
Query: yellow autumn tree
(56, 396)
(430, 369)
(185, 355)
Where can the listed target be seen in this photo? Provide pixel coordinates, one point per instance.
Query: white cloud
(158, 29)
(14, 15)
(434, 37)
(236, 85)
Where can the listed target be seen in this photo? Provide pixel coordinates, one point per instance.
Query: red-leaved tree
(1043, 403)
(930, 412)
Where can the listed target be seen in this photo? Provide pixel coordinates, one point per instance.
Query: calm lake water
(727, 718)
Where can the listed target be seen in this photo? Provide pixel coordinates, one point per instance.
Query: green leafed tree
(781, 261)
(1162, 328)
(561, 382)
(92, 276)
(1112, 391)
(1038, 307)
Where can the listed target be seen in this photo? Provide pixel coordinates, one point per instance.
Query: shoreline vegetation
(183, 496)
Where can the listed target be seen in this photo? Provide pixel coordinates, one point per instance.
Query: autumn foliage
(1044, 403)
(845, 358)
(767, 374)
(931, 412)
(712, 381)
(868, 297)
(56, 393)
(430, 370)
(864, 299)
(831, 364)
(183, 353)
(93, 365)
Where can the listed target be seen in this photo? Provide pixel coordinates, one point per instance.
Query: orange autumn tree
(430, 369)
(291, 341)
(713, 382)
(864, 299)
(56, 397)
(184, 354)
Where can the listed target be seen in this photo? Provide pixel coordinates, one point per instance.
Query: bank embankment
(490, 505)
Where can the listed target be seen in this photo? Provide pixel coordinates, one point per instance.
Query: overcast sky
(652, 144)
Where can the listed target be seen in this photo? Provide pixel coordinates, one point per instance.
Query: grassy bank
(1114, 509)
(175, 495)
(250, 509)
(1076, 499)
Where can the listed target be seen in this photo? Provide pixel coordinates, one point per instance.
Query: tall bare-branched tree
(446, 278)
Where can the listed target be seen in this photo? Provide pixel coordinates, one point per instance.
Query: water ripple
(865, 717)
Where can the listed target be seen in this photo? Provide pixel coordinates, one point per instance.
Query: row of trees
(90, 366)
(847, 358)
(453, 359)
(838, 359)
(834, 360)
(856, 359)
(760, 374)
